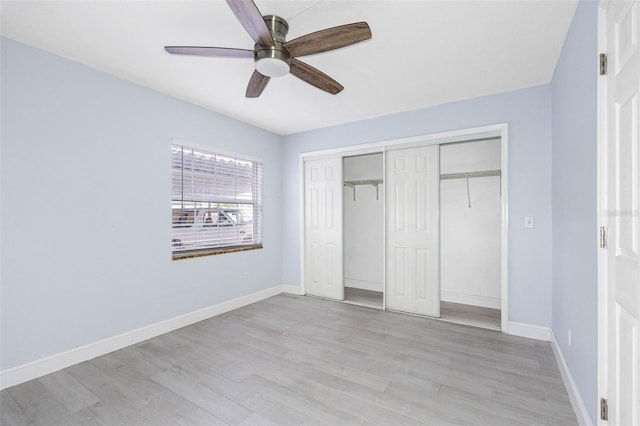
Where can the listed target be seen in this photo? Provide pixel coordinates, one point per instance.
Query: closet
(416, 229)
(470, 232)
(363, 213)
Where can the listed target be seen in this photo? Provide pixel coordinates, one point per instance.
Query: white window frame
(210, 195)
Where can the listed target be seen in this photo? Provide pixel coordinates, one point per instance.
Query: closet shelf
(467, 175)
(354, 183)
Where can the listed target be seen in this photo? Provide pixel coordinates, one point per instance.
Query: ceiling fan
(276, 57)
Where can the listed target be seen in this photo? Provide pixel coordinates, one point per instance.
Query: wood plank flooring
(292, 360)
(362, 297)
(470, 315)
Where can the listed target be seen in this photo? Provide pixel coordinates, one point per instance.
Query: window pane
(216, 200)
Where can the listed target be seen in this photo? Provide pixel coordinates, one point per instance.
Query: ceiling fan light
(272, 67)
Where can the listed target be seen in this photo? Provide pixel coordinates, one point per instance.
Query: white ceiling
(422, 53)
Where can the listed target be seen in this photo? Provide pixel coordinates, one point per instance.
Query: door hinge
(603, 64)
(603, 237)
(604, 409)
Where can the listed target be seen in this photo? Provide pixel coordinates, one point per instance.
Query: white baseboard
(530, 331)
(468, 299)
(579, 407)
(363, 285)
(33, 370)
(292, 289)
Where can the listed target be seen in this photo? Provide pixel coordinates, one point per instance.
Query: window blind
(216, 200)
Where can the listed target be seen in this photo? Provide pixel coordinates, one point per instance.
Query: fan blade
(217, 52)
(309, 74)
(329, 39)
(251, 19)
(256, 85)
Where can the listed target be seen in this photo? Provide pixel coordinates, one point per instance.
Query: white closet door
(323, 274)
(412, 230)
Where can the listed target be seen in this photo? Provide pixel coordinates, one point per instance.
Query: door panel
(323, 228)
(412, 236)
(422, 272)
(621, 193)
(400, 206)
(626, 336)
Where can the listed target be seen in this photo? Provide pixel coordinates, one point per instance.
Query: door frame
(500, 130)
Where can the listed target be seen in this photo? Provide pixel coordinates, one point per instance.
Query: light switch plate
(529, 222)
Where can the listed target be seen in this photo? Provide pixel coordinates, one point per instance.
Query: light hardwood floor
(292, 360)
(470, 315)
(363, 297)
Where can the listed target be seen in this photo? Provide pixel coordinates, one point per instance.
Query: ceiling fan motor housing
(273, 61)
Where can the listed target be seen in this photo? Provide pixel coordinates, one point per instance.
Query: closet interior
(470, 232)
(363, 229)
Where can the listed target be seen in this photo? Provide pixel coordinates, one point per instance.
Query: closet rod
(467, 175)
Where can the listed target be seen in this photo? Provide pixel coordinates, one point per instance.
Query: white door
(323, 228)
(620, 181)
(412, 230)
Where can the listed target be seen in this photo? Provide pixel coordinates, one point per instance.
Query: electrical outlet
(245, 276)
(529, 222)
(569, 337)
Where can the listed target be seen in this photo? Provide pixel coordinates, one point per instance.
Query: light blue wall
(574, 180)
(85, 200)
(528, 114)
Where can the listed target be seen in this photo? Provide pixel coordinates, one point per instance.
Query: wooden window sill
(211, 252)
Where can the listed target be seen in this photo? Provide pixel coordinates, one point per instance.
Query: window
(216, 202)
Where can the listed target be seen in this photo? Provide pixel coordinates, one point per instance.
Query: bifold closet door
(323, 271)
(413, 183)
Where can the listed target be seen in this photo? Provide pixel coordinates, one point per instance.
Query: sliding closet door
(323, 228)
(412, 230)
